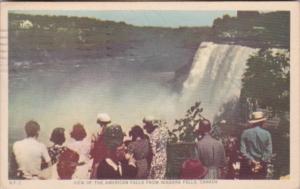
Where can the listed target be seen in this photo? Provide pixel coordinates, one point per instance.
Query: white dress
(83, 149)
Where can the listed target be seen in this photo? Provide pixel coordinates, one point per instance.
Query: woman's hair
(135, 132)
(58, 136)
(78, 132)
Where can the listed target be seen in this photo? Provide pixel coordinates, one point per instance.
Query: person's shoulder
(247, 131)
(96, 135)
(40, 144)
(17, 143)
(21, 143)
(202, 142)
(212, 140)
(265, 131)
(219, 143)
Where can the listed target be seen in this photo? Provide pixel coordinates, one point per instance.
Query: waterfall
(215, 75)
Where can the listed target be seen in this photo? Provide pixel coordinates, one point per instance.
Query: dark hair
(58, 136)
(78, 132)
(135, 132)
(204, 126)
(32, 128)
(67, 163)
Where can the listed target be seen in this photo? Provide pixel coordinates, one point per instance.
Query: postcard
(144, 94)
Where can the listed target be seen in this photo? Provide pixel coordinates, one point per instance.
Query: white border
(293, 7)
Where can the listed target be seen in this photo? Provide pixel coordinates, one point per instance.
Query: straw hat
(257, 117)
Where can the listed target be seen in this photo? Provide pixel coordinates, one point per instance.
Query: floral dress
(158, 141)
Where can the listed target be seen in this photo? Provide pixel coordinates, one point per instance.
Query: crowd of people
(144, 156)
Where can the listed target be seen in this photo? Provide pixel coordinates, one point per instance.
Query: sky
(145, 18)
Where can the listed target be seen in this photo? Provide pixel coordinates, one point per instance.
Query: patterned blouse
(54, 152)
(158, 141)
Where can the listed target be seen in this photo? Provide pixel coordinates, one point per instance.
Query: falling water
(215, 76)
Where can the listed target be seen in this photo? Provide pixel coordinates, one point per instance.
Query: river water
(60, 93)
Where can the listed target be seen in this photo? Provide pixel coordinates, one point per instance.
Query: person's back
(29, 153)
(255, 144)
(79, 143)
(98, 150)
(140, 148)
(256, 147)
(211, 152)
(81, 147)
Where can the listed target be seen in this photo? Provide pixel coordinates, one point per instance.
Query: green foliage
(185, 127)
(177, 153)
(267, 82)
(267, 79)
(256, 29)
(76, 37)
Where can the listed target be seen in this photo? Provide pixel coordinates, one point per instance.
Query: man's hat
(113, 136)
(103, 117)
(257, 117)
(193, 169)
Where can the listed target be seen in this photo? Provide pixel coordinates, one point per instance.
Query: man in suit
(116, 165)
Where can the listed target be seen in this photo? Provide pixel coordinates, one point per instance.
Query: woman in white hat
(99, 149)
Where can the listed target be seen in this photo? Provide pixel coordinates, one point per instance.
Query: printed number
(15, 182)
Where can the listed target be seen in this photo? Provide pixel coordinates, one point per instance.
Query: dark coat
(105, 171)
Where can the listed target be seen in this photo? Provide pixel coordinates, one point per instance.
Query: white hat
(223, 121)
(257, 117)
(148, 119)
(103, 117)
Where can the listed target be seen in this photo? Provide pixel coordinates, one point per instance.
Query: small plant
(186, 127)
